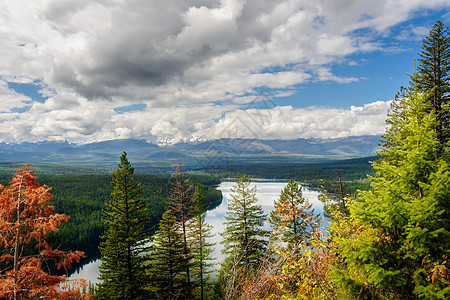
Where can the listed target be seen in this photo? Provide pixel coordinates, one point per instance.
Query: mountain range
(206, 154)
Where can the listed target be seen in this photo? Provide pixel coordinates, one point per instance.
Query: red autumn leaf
(26, 219)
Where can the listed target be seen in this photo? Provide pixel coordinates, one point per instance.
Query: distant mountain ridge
(357, 146)
(236, 150)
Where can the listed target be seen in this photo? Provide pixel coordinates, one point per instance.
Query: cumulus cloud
(286, 122)
(86, 121)
(146, 49)
(202, 58)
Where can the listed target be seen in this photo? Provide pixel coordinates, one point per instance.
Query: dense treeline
(353, 172)
(8, 167)
(83, 197)
(352, 169)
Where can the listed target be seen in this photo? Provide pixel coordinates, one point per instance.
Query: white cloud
(86, 121)
(286, 122)
(178, 57)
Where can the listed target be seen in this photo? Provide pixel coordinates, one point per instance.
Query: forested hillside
(83, 197)
(354, 172)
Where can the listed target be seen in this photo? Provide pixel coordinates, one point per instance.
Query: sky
(172, 71)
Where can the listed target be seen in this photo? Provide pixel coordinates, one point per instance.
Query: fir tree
(244, 236)
(201, 248)
(122, 271)
(167, 264)
(339, 195)
(290, 214)
(434, 71)
(400, 240)
(180, 203)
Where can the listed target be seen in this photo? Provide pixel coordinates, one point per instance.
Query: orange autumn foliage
(26, 219)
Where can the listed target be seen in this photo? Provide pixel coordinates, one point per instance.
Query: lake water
(267, 192)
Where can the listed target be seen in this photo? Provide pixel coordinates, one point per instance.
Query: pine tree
(290, 215)
(201, 248)
(180, 203)
(244, 237)
(339, 195)
(167, 264)
(399, 240)
(434, 71)
(123, 250)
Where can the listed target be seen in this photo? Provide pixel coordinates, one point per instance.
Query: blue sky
(85, 71)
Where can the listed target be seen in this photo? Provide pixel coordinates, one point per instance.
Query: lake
(267, 192)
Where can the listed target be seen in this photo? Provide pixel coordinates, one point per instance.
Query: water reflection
(266, 193)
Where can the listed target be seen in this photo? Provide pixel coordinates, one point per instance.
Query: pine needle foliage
(124, 248)
(244, 237)
(200, 245)
(434, 75)
(181, 205)
(167, 264)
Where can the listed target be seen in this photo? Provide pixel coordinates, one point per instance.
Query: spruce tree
(123, 250)
(201, 248)
(167, 264)
(434, 71)
(244, 237)
(399, 242)
(289, 214)
(180, 203)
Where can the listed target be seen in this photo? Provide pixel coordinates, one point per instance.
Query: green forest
(83, 198)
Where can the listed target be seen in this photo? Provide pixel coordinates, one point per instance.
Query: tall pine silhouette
(244, 236)
(434, 75)
(291, 214)
(180, 203)
(123, 250)
(200, 246)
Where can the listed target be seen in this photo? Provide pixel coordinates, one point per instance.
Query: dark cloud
(152, 43)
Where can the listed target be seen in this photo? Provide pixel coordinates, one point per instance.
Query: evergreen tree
(167, 264)
(434, 71)
(244, 236)
(122, 271)
(288, 219)
(201, 248)
(399, 242)
(338, 195)
(180, 202)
